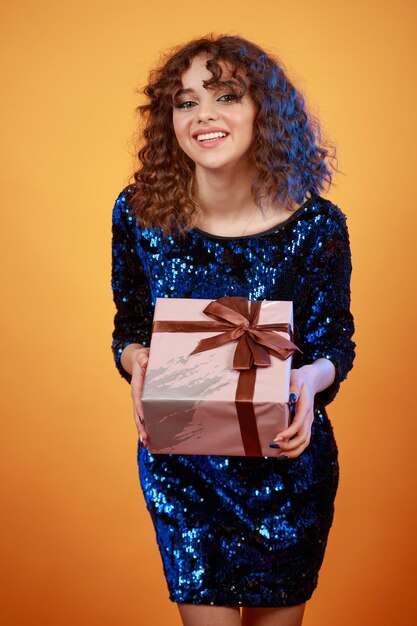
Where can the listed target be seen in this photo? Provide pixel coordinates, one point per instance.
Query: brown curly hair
(287, 146)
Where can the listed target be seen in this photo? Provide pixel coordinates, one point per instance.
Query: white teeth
(211, 136)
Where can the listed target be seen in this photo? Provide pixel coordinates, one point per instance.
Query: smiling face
(199, 111)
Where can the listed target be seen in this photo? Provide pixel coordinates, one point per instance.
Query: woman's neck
(228, 207)
(225, 196)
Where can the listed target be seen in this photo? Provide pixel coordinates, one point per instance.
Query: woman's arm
(330, 325)
(327, 344)
(131, 292)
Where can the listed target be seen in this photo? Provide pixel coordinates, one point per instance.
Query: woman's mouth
(209, 140)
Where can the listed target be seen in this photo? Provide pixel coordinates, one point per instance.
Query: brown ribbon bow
(255, 342)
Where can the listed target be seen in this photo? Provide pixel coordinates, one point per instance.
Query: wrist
(321, 373)
(310, 372)
(130, 354)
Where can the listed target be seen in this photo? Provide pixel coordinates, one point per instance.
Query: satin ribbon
(238, 318)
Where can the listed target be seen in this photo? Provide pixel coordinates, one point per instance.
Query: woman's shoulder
(330, 237)
(330, 220)
(123, 198)
(327, 211)
(315, 216)
(121, 210)
(125, 221)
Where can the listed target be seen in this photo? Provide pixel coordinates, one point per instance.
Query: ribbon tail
(218, 340)
(260, 353)
(274, 341)
(242, 358)
(249, 353)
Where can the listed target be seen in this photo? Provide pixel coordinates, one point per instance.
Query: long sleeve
(130, 286)
(330, 323)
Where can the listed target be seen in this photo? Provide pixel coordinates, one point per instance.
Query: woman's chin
(221, 164)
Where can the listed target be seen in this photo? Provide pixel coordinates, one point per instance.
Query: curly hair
(287, 147)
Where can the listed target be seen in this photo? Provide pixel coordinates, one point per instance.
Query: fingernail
(293, 397)
(274, 445)
(282, 457)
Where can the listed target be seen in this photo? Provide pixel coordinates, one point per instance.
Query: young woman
(226, 202)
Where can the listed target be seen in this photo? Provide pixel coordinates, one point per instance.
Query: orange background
(78, 544)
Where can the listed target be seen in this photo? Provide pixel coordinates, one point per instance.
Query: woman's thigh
(206, 615)
(283, 616)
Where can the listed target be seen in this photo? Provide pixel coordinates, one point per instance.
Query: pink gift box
(190, 401)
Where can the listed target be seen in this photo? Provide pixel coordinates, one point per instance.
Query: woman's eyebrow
(188, 90)
(181, 92)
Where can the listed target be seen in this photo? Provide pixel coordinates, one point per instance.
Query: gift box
(218, 376)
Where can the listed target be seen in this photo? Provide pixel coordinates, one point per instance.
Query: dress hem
(247, 604)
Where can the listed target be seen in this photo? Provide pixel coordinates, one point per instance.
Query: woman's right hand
(140, 363)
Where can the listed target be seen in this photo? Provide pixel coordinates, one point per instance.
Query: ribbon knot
(255, 341)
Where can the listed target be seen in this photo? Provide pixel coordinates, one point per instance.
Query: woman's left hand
(294, 439)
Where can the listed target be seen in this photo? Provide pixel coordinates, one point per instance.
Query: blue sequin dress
(242, 531)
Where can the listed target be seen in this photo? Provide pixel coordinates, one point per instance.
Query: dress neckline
(278, 226)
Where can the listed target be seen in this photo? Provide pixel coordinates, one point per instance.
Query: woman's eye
(185, 105)
(182, 104)
(229, 95)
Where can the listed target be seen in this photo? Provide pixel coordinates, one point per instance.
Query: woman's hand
(139, 362)
(294, 439)
(305, 382)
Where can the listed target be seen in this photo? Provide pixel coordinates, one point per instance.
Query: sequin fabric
(242, 531)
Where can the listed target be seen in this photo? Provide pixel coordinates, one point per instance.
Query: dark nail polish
(293, 398)
(274, 445)
(282, 456)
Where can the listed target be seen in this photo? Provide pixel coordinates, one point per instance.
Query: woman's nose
(206, 110)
